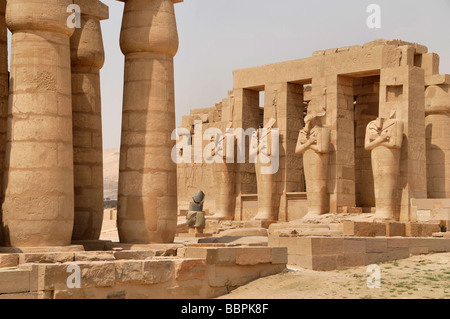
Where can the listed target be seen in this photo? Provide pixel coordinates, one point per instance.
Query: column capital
(94, 8)
(150, 27)
(86, 44)
(45, 15)
(437, 99)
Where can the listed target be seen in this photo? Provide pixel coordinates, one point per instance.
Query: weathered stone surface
(354, 245)
(87, 58)
(395, 229)
(46, 258)
(222, 256)
(93, 274)
(190, 269)
(279, 255)
(364, 229)
(245, 232)
(147, 204)
(158, 271)
(14, 281)
(389, 72)
(38, 207)
(95, 256)
(135, 255)
(421, 230)
(392, 254)
(253, 256)
(9, 260)
(376, 245)
(236, 240)
(129, 271)
(4, 85)
(27, 295)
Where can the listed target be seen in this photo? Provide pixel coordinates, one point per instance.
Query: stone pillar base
(49, 249)
(92, 245)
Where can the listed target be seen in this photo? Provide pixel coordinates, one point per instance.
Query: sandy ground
(109, 229)
(419, 277)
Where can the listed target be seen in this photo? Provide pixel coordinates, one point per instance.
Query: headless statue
(314, 144)
(384, 138)
(224, 181)
(195, 217)
(262, 149)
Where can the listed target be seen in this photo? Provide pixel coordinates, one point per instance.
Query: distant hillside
(110, 172)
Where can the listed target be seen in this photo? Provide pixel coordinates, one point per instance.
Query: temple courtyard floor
(418, 277)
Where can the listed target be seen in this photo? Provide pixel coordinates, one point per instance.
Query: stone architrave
(437, 123)
(268, 198)
(403, 89)
(224, 180)
(38, 209)
(384, 138)
(88, 57)
(147, 204)
(314, 143)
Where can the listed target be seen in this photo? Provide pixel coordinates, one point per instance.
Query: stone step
(14, 281)
(244, 232)
(297, 225)
(236, 240)
(308, 232)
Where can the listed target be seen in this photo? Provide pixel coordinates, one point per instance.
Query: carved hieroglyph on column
(384, 138)
(223, 175)
(147, 207)
(263, 148)
(39, 206)
(3, 100)
(88, 56)
(437, 122)
(314, 143)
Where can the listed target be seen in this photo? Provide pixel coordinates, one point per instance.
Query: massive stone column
(284, 102)
(87, 55)
(38, 206)
(437, 123)
(402, 90)
(147, 208)
(334, 93)
(245, 115)
(366, 110)
(3, 99)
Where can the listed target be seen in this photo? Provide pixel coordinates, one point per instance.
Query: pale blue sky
(219, 36)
